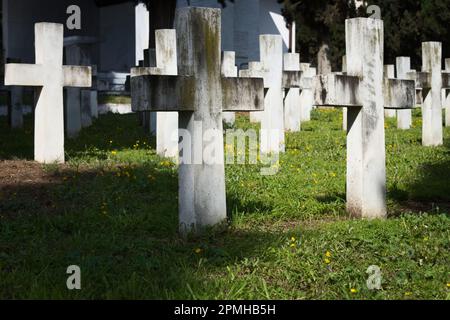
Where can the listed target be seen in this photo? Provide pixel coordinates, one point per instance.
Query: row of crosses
(192, 85)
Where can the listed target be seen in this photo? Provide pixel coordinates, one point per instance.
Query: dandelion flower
(353, 290)
(328, 254)
(198, 251)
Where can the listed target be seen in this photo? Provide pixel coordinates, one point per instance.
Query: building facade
(121, 30)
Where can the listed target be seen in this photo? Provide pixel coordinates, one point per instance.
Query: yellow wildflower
(198, 251)
(327, 261)
(328, 254)
(353, 290)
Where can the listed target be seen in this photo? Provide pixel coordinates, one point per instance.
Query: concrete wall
(113, 26)
(19, 17)
(243, 22)
(117, 40)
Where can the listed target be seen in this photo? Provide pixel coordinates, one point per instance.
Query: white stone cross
(229, 69)
(51, 76)
(366, 94)
(79, 102)
(430, 83)
(166, 64)
(200, 94)
(389, 73)
(270, 67)
(272, 138)
(294, 81)
(254, 70)
(307, 94)
(404, 116)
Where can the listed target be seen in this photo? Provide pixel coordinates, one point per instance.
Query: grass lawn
(112, 210)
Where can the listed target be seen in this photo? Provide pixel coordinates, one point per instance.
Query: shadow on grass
(330, 199)
(430, 190)
(109, 132)
(122, 230)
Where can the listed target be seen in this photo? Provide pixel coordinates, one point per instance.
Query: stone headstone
(50, 76)
(79, 51)
(306, 95)
(389, 73)
(165, 123)
(200, 94)
(430, 83)
(404, 117)
(272, 138)
(365, 93)
(292, 112)
(229, 69)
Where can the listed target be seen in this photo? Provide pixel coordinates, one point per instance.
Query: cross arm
(399, 94)
(77, 76)
(336, 90)
(422, 79)
(446, 80)
(291, 79)
(163, 93)
(23, 74)
(296, 79)
(254, 70)
(143, 71)
(243, 94)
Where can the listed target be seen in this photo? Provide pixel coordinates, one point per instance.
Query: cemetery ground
(112, 210)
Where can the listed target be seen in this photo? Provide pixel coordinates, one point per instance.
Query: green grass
(105, 99)
(112, 210)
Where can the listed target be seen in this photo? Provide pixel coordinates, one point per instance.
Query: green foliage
(112, 210)
(407, 24)
(318, 22)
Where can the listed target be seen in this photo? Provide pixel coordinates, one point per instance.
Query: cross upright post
(432, 132)
(272, 121)
(404, 117)
(50, 76)
(200, 94)
(254, 70)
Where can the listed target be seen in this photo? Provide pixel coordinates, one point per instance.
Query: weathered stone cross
(366, 94)
(294, 81)
(404, 117)
(200, 94)
(166, 64)
(49, 74)
(229, 69)
(276, 78)
(430, 83)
